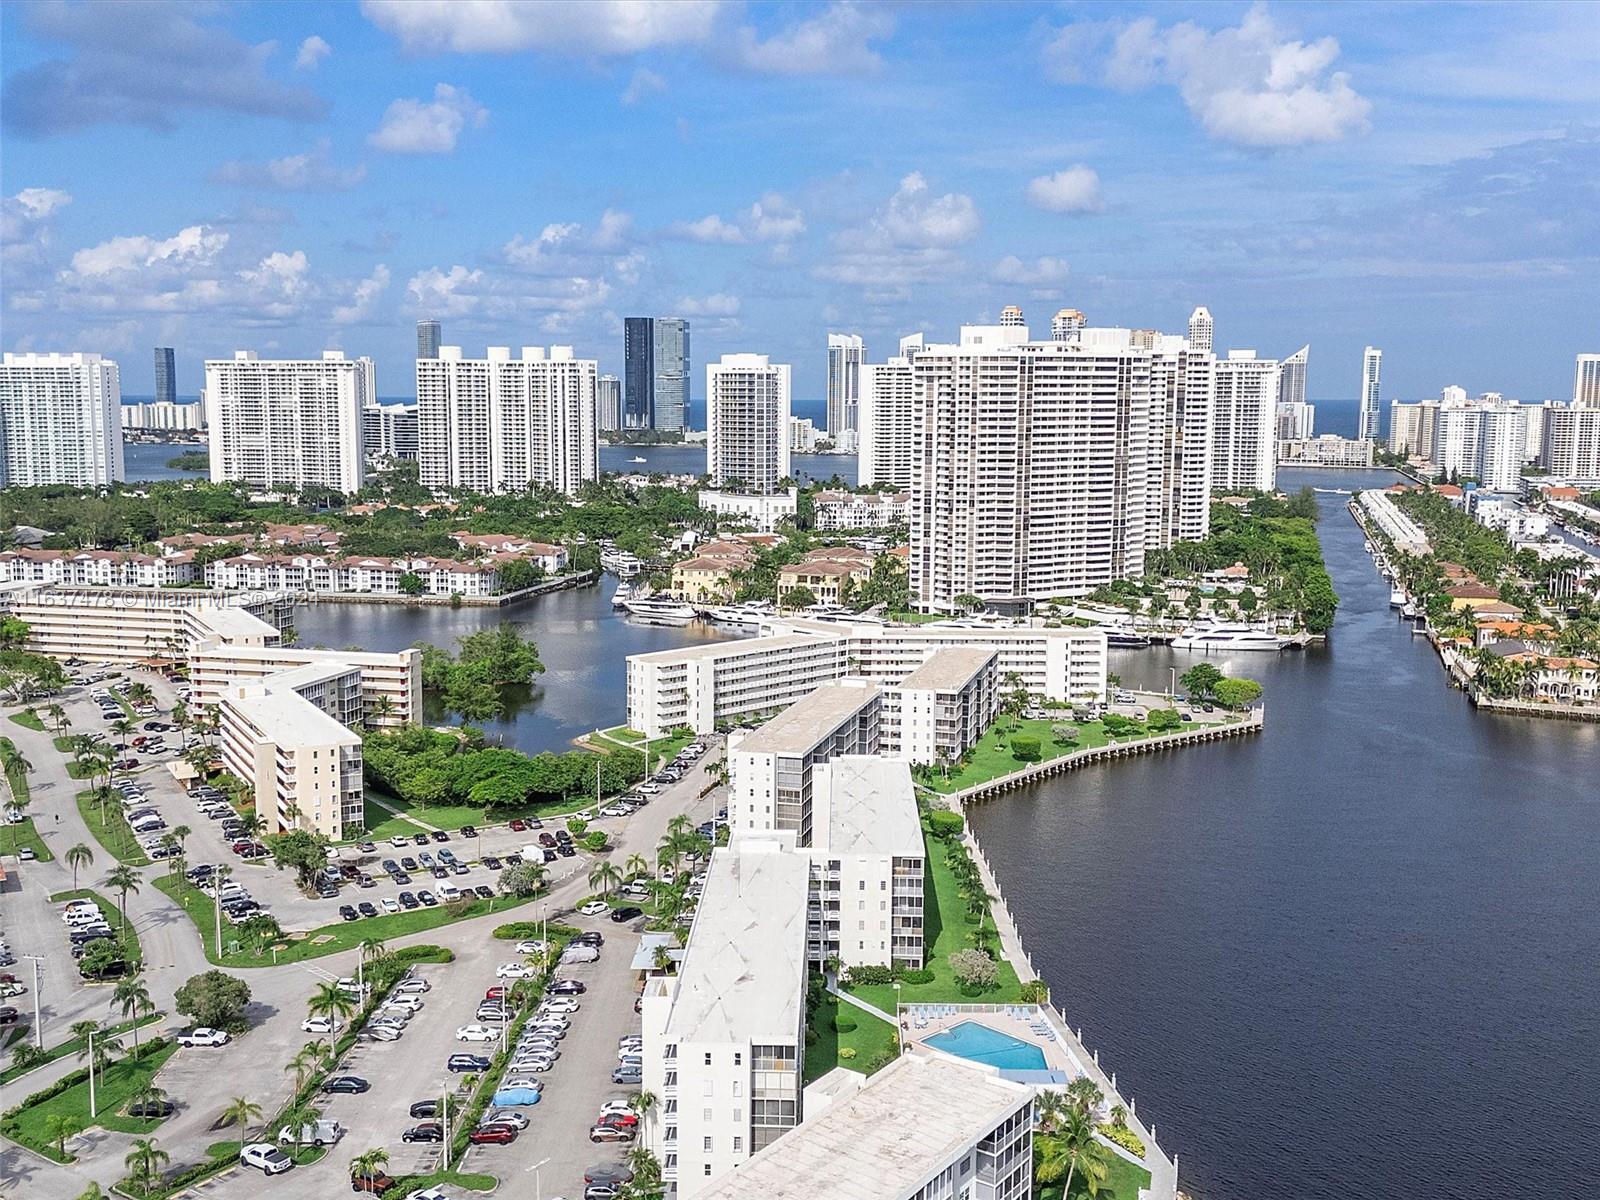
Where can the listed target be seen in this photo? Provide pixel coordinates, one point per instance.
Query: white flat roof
(743, 974)
(287, 719)
(735, 646)
(810, 719)
(912, 1120)
(949, 669)
(872, 808)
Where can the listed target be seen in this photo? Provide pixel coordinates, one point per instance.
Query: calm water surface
(1356, 955)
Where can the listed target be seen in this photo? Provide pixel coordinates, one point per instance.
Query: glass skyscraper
(655, 373)
(427, 339)
(166, 376)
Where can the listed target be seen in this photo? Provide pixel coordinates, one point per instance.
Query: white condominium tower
(1570, 445)
(60, 420)
(1182, 394)
(887, 428)
(288, 422)
(747, 422)
(1371, 369)
(1586, 381)
(846, 353)
(1295, 416)
(499, 423)
(1032, 472)
(1244, 426)
(1200, 329)
(1066, 325)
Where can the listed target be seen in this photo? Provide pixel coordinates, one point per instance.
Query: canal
(1359, 954)
(1356, 955)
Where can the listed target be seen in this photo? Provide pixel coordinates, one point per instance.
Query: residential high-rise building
(1586, 381)
(389, 431)
(1411, 427)
(288, 422)
(887, 429)
(1244, 448)
(1570, 447)
(171, 418)
(498, 423)
(846, 353)
(1483, 439)
(428, 334)
(747, 422)
(166, 376)
(1502, 445)
(1182, 394)
(1200, 330)
(1011, 317)
(1066, 325)
(608, 402)
(1369, 422)
(655, 372)
(60, 420)
(1294, 416)
(1031, 478)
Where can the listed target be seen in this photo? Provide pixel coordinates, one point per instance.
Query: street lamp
(538, 1188)
(38, 1028)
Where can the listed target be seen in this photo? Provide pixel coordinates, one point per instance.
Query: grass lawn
(662, 750)
(869, 1039)
(472, 1181)
(454, 816)
(330, 939)
(1123, 1181)
(112, 832)
(18, 836)
(946, 929)
(17, 779)
(113, 915)
(381, 823)
(73, 1045)
(992, 757)
(114, 1087)
(29, 720)
(916, 618)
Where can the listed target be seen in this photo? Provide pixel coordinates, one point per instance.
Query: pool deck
(919, 1022)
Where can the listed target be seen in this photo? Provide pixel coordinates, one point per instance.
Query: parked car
(348, 1084)
(375, 1185)
(151, 1109)
(626, 913)
(266, 1157)
(317, 1132)
(493, 1135)
(566, 987)
(477, 1033)
(467, 1062)
(610, 1133)
(204, 1036)
(426, 1131)
(595, 908)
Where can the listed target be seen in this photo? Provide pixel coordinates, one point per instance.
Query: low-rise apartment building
(136, 625)
(701, 579)
(1325, 450)
(98, 568)
(929, 1126)
(939, 711)
(861, 510)
(762, 511)
(390, 683)
(702, 686)
(724, 1038)
(830, 577)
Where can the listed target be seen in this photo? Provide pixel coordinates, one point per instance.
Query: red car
(241, 847)
(376, 1184)
(495, 1135)
(621, 1120)
(547, 841)
(495, 993)
(517, 826)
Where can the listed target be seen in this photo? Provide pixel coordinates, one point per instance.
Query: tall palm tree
(369, 1166)
(75, 857)
(180, 718)
(122, 727)
(333, 1002)
(58, 718)
(134, 997)
(636, 867)
(1085, 1094)
(604, 876)
(124, 879)
(145, 1160)
(646, 1170)
(242, 1112)
(306, 1060)
(1072, 1151)
(148, 1094)
(58, 1127)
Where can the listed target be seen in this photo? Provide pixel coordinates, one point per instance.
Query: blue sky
(287, 177)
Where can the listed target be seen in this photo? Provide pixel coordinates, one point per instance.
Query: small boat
(622, 595)
(1397, 598)
(747, 616)
(636, 459)
(661, 610)
(1410, 611)
(1222, 638)
(1367, 546)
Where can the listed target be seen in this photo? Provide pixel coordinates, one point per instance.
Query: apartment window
(738, 1058)
(738, 1088)
(708, 1058)
(705, 1115)
(706, 1145)
(738, 1145)
(861, 885)
(707, 1170)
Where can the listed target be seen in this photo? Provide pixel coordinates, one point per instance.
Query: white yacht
(1397, 597)
(748, 615)
(661, 610)
(636, 459)
(624, 593)
(1222, 638)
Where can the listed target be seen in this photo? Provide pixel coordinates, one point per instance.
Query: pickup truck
(204, 1037)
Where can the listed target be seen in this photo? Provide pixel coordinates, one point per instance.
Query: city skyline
(348, 172)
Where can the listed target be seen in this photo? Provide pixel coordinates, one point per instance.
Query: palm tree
(604, 876)
(242, 1112)
(122, 727)
(75, 857)
(680, 824)
(331, 1001)
(646, 1170)
(92, 1192)
(145, 1161)
(1071, 1151)
(124, 879)
(306, 1060)
(148, 1094)
(134, 997)
(369, 1166)
(636, 867)
(1085, 1094)
(58, 1127)
(180, 718)
(58, 718)
(251, 825)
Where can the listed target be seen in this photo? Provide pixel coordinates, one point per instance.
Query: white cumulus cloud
(312, 171)
(1248, 84)
(195, 244)
(912, 238)
(506, 26)
(834, 42)
(312, 51)
(1040, 273)
(710, 230)
(718, 304)
(1074, 190)
(428, 127)
(364, 298)
(774, 219)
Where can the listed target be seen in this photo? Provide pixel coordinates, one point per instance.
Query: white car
(667, 875)
(414, 984)
(514, 971)
(595, 908)
(621, 1108)
(520, 1081)
(378, 1031)
(649, 789)
(613, 810)
(505, 1116)
(433, 1193)
(391, 905)
(204, 1037)
(266, 1156)
(477, 1033)
(411, 1003)
(533, 947)
(398, 841)
(559, 1004)
(316, 1025)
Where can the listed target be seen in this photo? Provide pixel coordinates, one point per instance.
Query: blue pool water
(982, 1044)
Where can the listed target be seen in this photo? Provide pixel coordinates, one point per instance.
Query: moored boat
(1221, 638)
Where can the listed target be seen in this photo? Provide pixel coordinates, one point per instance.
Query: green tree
(123, 879)
(799, 597)
(301, 849)
(1072, 1150)
(524, 879)
(145, 1161)
(1237, 693)
(242, 1112)
(133, 997)
(411, 584)
(1164, 720)
(75, 857)
(1025, 747)
(333, 1002)
(604, 876)
(212, 998)
(1199, 680)
(369, 1166)
(58, 1127)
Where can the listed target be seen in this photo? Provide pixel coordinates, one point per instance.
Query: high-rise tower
(1371, 368)
(1200, 330)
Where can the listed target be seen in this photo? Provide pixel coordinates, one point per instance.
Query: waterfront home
(704, 580)
(1472, 595)
(1489, 632)
(870, 510)
(503, 546)
(1547, 677)
(97, 568)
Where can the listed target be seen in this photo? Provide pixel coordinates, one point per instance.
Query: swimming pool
(977, 1041)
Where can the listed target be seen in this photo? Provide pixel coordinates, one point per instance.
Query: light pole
(538, 1185)
(38, 1029)
(91, 1077)
(445, 1113)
